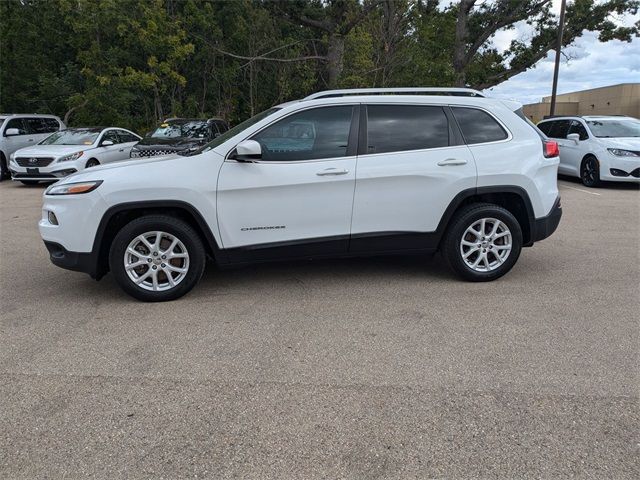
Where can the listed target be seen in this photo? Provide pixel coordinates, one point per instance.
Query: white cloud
(590, 64)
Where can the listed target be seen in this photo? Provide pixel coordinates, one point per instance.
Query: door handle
(332, 171)
(121, 150)
(31, 139)
(452, 161)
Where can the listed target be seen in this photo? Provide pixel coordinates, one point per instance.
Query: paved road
(368, 368)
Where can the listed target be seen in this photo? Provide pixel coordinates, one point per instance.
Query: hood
(624, 143)
(55, 151)
(120, 168)
(178, 143)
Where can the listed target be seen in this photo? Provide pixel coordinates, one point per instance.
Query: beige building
(622, 99)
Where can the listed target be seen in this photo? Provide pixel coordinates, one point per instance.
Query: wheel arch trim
(97, 251)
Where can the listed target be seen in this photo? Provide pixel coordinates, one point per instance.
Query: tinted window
(16, 123)
(545, 127)
(559, 129)
(478, 126)
(578, 127)
(308, 135)
(111, 135)
(51, 125)
(222, 127)
(395, 128)
(126, 137)
(35, 126)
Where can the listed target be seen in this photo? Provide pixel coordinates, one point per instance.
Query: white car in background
(20, 130)
(70, 151)
(596, 148)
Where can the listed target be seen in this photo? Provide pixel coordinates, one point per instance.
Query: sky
(591, 64)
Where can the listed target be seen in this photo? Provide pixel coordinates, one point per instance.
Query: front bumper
(54, 172)
(545, 226)
(76, 261)
(620, 169)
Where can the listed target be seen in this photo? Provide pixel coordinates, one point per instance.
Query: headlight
(70, 157)
(72, 188)
(623, 153)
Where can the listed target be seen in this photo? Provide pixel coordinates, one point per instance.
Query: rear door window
(478, 126)
(559, 129)
(397, 128)
(50, 125)
(126, 137)
(545, 127)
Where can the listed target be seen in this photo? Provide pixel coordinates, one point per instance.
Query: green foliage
(134, 62)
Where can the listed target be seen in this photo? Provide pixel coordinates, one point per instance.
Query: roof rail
(458, 92)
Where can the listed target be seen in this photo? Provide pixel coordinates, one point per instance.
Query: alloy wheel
(486, 244)
(156, 261)
(590, 171)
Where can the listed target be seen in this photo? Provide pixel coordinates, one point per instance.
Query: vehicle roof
(426, 99)
(45, 115)
(96, 129)
(185, 120)
(584, 117)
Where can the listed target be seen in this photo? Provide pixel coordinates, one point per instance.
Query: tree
(331, 19)
(477, 22)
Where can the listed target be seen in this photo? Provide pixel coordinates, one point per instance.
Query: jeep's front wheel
(157, 258)
(483, 242)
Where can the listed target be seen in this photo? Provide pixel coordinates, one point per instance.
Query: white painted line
(579, 189)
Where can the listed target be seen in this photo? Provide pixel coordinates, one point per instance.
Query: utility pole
(556, 67)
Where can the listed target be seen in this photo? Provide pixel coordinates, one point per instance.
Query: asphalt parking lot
(365, 368)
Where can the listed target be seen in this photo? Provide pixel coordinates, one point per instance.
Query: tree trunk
(335, 59)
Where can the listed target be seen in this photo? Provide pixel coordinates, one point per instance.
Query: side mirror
(11, 132)
(248, 151)
(106, 143)
(575, 137)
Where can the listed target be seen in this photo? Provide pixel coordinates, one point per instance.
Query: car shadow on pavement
(605, 185)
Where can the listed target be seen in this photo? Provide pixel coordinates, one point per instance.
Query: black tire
(590, 172)
(92, 162)
(466, 218)
(163, 223)
(29, 182)
(4, 168)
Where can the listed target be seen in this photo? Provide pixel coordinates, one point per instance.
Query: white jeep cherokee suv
(339, 173)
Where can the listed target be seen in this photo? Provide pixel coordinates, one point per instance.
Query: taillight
(550, 149)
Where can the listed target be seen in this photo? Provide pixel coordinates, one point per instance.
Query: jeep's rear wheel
(157, 258)
(483, 242)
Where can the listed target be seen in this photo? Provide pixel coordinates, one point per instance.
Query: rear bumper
(545, 226)
(76, 261)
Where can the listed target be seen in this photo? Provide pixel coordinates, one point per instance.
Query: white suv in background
(23, 130)
(596, 148)
(339, 173)
(70, 151)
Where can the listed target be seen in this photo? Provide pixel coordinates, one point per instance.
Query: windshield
(195, 129)
(623, 127)
(219, 140)
(72, 137)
